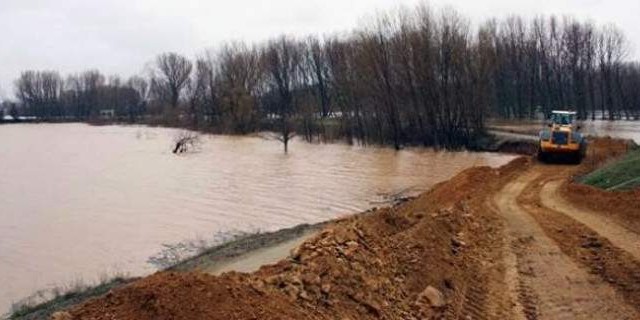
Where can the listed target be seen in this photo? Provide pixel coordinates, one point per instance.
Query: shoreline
(219, 257)
(245, 246)
(489, 141)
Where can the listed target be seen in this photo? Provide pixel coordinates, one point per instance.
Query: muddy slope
(620, 206)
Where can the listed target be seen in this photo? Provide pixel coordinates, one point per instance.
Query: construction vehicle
(561, 140)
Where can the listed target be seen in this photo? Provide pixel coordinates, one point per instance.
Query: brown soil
(552, 285)
(604, 248)
(623, 206)
(188, 296)
(483, 245)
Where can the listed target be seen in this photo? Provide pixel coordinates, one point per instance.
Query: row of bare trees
(46, 95)
(414, 76)
(557, 63)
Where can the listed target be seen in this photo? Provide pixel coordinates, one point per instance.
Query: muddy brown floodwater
(77, 201)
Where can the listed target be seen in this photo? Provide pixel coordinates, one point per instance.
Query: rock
(304, 296)
(258, 286)
(61, 315)
(433, 297)
(359, 233)
(295, 279)
(352, 244)
(310, 279)
(458, 243)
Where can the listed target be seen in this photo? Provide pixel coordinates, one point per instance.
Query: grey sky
(120, 36)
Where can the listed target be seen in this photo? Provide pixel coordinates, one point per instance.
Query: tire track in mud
(619, 236)
(473, 303)
(596, 247)
(526, 295)
(518, 301)
(550, 284)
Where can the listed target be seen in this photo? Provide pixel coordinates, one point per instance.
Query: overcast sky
(120, 36)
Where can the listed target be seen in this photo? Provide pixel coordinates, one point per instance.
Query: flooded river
(617, 129)
(78, 202)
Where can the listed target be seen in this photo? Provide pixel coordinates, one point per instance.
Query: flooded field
(78, 202)
(615, 129)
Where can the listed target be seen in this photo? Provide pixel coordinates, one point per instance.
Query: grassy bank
(623, 174)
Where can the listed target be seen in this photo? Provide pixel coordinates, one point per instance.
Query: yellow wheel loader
(561, 139)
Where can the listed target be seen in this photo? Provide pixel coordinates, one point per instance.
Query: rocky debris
(431, 296)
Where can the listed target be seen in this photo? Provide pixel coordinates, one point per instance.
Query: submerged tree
(282, 61)
(185, 141)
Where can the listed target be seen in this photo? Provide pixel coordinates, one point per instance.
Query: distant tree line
(557, 63)
(414, 76)
(48, 96)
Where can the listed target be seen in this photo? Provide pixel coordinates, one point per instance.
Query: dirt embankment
(419, 259)
(622, 206)
(483, 245)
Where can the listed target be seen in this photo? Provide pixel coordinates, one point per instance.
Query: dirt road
(519, 242)
(550, 284)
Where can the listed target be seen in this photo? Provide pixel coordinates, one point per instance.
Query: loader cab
(562, 118)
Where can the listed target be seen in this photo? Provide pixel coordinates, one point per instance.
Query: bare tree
(92, 80)
(172, 76)
(239, 76)
(41, 91)
(140, 85)
(281, 60)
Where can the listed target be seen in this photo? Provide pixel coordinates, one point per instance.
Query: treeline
(414, 76)
(49, 96)
(558, 63)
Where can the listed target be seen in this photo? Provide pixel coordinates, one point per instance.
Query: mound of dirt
(601, 150)
(189, 296)
(620, 205)
(425, 258)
